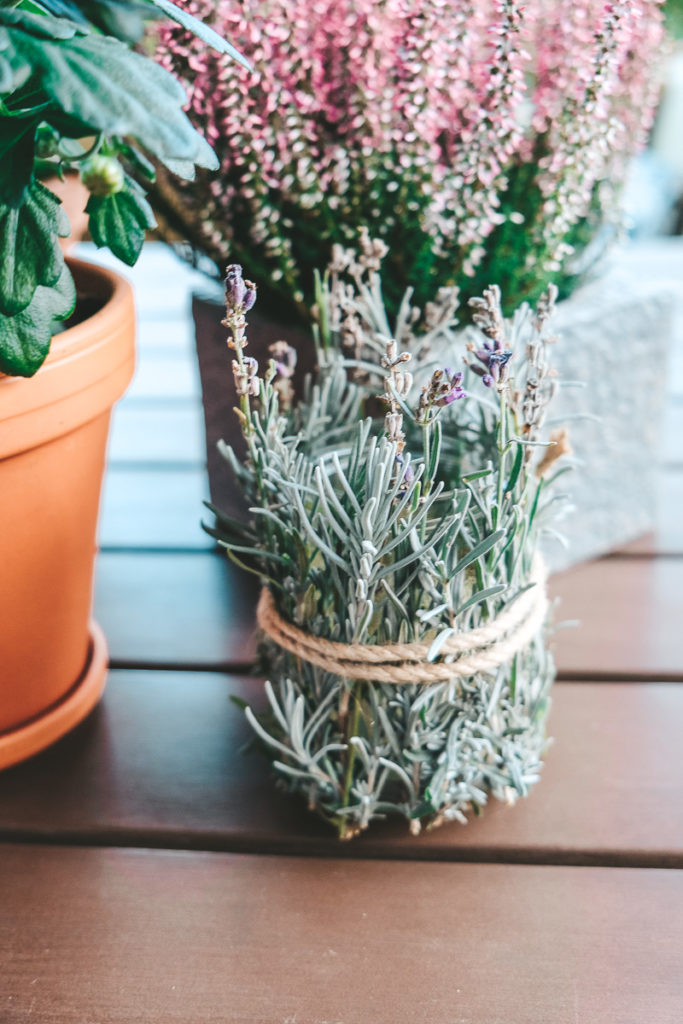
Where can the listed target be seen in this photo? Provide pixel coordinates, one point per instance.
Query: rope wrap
(478, 650)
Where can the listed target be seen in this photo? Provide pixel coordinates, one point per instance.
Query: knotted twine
(477, 650)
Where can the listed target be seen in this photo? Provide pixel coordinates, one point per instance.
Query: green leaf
(119, 222)
(125, 19)
(202, 31)
(17, 139)
(438, 642)
(29, 253)
(121, 18)
(37, 25)
(534, 504)
(482, 595)
(25, 338)
(7, 77)
(470, 477)
(138, 162)
(513, 679)
(482, 548)
(67, 126)
(107, 88)
(435, 453)
(516, 469)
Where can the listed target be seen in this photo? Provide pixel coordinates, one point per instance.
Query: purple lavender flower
(494, 356)
(444, 388)
(249, 296)
(450, 389)
(284, 357)
(240, 295)
(235, 287)
(405, 471)
(246, 376)
(495, 360)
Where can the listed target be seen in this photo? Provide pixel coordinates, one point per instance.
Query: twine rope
(477, 650)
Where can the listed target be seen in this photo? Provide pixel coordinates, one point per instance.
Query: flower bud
(235, 288)
(249, 296)
(103, 176)
(47, 142)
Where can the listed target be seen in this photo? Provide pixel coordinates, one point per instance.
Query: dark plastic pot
(218, 388)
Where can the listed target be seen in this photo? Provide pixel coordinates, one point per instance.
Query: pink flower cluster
(431, 103)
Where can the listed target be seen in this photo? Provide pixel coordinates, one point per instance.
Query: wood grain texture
(163, 283)
(156, 433)
(160, 505)
(164, 762)
(186, 938)
(630, 612)
(175, 610)
(155, 508)
(196, 610)
(164, 374)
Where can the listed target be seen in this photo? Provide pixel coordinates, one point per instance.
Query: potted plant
(396, 512)
(72, 96)
(481, 142)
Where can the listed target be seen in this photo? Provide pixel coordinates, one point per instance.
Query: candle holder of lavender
(396, 511)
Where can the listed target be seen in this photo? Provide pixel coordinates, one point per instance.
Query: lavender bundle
(396, 512)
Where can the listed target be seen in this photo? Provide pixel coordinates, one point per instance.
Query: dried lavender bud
(362, 549)
(444, 388)
(235, 288)
(285, 359)
(405, 471)
(249, 296)
(495, 361)
(246, 376)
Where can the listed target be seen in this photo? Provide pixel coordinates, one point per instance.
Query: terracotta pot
(218, 388)
(53, 436)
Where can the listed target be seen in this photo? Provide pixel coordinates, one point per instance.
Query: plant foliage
(408, 526)
(482, 141)
(73, 97)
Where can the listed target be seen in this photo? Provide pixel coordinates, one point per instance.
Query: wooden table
(149, 872)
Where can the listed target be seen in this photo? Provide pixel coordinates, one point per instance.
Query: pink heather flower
(415, 118)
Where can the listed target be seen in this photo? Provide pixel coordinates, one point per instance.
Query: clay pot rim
(88, 367)
(115, 298)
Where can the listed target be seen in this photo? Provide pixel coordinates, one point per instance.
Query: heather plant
(482, 141)
(396, 511)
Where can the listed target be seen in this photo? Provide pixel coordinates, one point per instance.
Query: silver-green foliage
(408, 521)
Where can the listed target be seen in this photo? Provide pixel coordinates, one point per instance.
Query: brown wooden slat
(630, 613)
(163, 762)
(197, 610)
(152, 937)
(175, 609)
